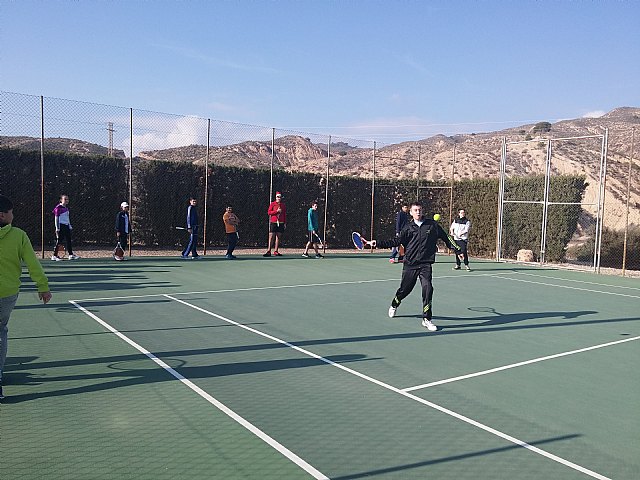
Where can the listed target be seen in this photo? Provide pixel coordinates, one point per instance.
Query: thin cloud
(594, 114)
(410, 61)
(218, 62)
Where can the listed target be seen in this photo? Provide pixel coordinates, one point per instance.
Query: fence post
(373, 191)
(326, 198)
(626, 222)
(206, 185)
(42, 175)
(130, 177)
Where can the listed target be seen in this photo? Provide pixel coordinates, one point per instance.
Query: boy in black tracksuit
(192, 228)
(419, 237)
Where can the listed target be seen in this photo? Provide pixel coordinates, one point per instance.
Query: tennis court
(289, 368)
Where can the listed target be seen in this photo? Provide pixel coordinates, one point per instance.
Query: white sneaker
(426, 323)
(468, 268)
(55, 259)
(392, 312)
(73, 257)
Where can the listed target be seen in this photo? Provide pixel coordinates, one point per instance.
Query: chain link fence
(101, 155)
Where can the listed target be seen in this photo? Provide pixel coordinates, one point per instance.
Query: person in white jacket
(460, 231)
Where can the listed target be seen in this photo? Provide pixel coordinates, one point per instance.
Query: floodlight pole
(545, 204)
(503, 162)
(601, 198)
(453, 174)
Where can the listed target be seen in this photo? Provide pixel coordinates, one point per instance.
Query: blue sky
(371, 69)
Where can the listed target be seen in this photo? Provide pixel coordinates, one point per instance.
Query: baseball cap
(124, 204)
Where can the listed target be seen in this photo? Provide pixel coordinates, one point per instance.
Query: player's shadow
(132, 370)
(494, 318)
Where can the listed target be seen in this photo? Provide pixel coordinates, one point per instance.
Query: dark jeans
(232, 240)
(463, 251)
(64, 235)
(123, 240)
(409, 278)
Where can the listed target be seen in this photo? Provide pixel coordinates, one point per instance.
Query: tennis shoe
(73, 257)
(305, 255)
(457, 267)
(392, 311)
(277, 254)
(319, 255)
(1, 394)
(467, 267)
(392, 260)
(55, 258)
(426, 323)
(267, 254)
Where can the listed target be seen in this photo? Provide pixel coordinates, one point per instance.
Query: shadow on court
(124, 376)
(453, 458)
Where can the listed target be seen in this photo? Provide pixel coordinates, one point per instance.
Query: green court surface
(289, 368)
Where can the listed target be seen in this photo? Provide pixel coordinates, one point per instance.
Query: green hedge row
(161, 190)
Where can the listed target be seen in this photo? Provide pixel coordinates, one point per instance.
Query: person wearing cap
(277, 212)
(123, 227)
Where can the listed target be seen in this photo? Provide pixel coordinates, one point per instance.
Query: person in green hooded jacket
(15, 248)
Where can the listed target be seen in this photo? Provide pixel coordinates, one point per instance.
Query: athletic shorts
(274, 228)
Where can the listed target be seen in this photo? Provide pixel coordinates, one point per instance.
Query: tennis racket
(319, 239)
(118, 252)
(358, 240)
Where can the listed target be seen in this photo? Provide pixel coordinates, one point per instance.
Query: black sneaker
(319, 255)
(268, 254)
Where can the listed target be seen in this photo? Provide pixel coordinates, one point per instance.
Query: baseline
(518, 364)
(399, 391)
(277, 287)
(219, 405)
(570, 287)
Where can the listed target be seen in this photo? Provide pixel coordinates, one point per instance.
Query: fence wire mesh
(101, 155)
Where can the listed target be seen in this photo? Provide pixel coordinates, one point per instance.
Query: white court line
(519, 364)
(277, 287)
(571, 288)
(435, 406)
(578, 281)
(252, 428)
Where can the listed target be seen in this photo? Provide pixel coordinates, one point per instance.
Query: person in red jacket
(277, 222)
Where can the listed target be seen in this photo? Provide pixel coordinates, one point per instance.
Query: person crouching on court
(277, 212)
(192, 228)
(15, 248)
(419, 237)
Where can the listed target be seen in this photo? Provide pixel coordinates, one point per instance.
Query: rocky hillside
(70, 145)
(476, 155)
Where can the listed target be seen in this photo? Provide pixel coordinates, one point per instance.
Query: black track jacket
(420, 242)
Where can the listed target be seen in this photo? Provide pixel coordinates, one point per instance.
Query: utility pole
(110, 130)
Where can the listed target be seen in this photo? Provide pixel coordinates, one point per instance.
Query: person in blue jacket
(192, 228)
(402, 218)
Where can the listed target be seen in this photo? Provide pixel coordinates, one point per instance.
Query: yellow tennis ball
(437, 217)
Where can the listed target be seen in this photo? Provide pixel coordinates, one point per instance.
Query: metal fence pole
(605, 146)
(503, 163)
(419, 168)
(373, 191)
(626, 222)
(42, 175)
(453, 173)
(130, 177)
(545, 204)
(326, 198)
(206, 185)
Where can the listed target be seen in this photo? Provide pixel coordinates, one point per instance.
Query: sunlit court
(291, 368)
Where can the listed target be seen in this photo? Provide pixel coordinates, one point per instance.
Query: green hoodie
(15, 247)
